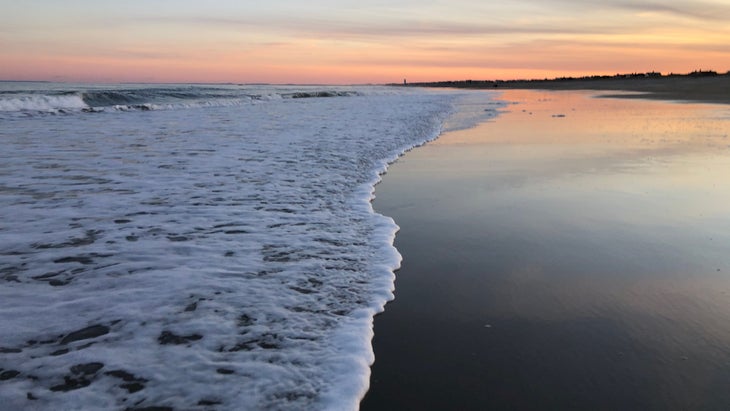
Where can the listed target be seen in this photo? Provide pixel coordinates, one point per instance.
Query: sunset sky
(347, 41)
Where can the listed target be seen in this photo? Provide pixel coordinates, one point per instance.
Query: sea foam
(41, 102)
(223, 257)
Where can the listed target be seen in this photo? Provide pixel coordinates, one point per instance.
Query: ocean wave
(41, 103)
(95, 100)
(316, 94)
(225, 258)
(131, 97)
(175, 259)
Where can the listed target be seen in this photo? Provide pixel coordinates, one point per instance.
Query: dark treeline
(565, 81)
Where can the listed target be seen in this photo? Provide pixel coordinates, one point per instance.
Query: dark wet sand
(571, 254)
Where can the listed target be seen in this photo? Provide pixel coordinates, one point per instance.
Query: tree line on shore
(497, 83)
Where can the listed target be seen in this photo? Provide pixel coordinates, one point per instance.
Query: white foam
(26, 99)
(474, 108)
(231, 253)
(32, 102)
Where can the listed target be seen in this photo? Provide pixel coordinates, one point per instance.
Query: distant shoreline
(708, 87)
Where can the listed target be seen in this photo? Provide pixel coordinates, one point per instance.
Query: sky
(356, 42)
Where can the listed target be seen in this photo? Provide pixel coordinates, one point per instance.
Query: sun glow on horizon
(349, 42)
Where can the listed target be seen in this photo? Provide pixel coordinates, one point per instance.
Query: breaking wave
(85, 99)
(41, 102)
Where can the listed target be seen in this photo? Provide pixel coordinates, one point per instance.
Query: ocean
(200, 246)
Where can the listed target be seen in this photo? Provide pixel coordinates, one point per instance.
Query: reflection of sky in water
(617, 213)
(536, 118)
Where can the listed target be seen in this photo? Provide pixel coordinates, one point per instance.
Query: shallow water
(190, 251)
(573, 253)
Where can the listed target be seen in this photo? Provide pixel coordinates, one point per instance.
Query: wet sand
(571, 254)
(708, 89)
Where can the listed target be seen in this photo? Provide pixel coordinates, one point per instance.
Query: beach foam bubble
(224, 256)
(32, 102)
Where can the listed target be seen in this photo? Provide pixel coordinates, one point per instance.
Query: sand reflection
(584, 117)
(631, 198)
(591, 234)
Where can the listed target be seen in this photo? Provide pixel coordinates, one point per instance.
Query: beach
(569, 254)
(184, 246)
